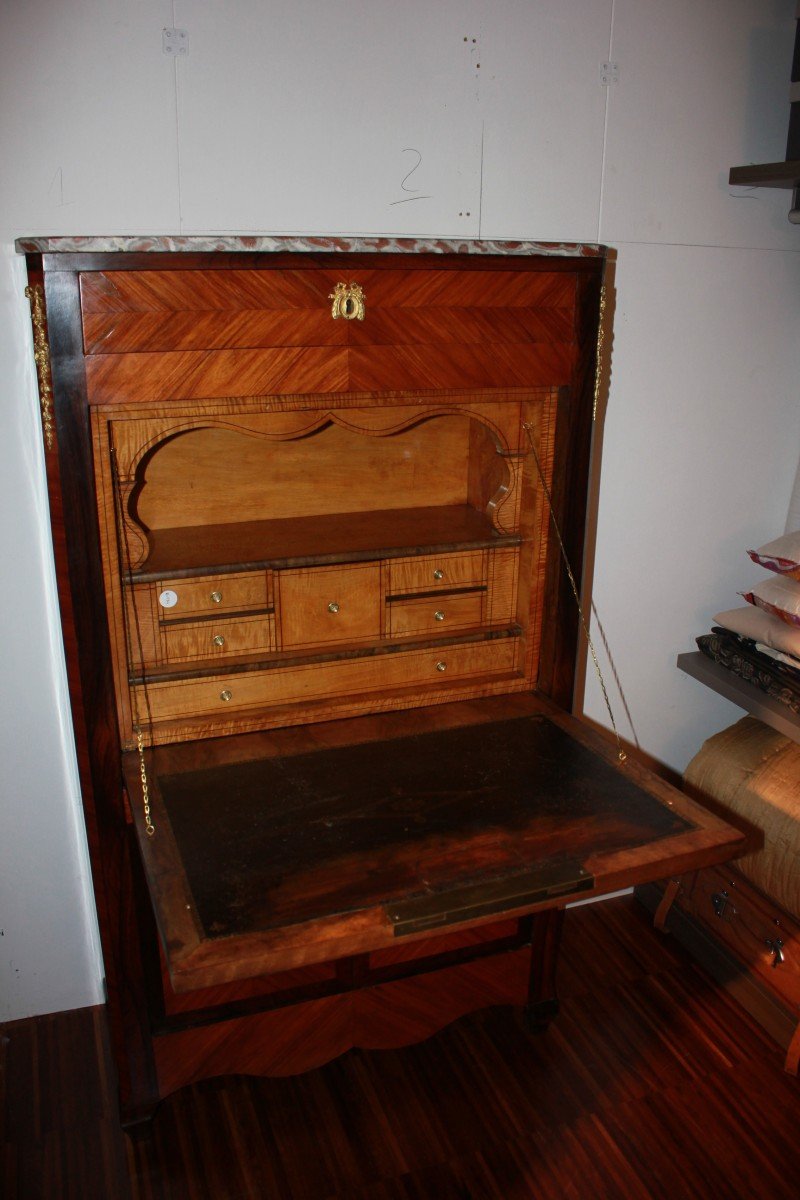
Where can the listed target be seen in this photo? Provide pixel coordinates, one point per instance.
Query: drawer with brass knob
(219, 695)
(321, 605)
(190, 640)
(425, 615)
(177, 599)
(437, 572)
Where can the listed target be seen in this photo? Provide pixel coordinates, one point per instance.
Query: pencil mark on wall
(57, 188)
(406, 177)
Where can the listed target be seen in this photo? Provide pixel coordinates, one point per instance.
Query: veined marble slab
(204, 243)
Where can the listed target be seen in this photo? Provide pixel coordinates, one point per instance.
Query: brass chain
(149, 826)
(122, 541)
(621, 755)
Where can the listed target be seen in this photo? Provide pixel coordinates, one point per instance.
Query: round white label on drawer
(168, 599)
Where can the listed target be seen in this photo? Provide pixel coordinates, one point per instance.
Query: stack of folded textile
(761, 642)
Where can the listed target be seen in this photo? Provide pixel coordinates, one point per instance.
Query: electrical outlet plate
(175, 42)
(609, 73)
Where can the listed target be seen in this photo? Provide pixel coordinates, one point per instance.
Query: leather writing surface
(273, 842)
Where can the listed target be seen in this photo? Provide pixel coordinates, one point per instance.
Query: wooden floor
(650, 1085)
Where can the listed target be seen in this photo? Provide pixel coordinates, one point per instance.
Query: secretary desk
(318, 515)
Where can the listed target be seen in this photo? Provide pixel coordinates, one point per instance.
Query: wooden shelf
(772, 175)
(315, 541)
(740, 692)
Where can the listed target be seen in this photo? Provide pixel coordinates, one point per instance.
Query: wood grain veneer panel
(215, 476)
(291, 1041)
(202, 291)
(327, 605)
(181, 375)
(185, 375)
(126, 332)
(503, 578)
(123, 312)
(462, 326)
(457, 366)
(309, 288)
(466, 288)
(123, 332)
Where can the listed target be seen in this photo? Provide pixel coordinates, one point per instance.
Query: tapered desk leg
(542, 1003)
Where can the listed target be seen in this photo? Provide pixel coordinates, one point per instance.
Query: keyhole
(349, 307)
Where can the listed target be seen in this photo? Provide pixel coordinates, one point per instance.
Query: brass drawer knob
(333, 607)
(438, 574)
(226, 695)
(219, 640)
(216, 597)
(438, 615)
(441, 665)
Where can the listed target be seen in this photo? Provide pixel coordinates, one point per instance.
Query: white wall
(307, 117)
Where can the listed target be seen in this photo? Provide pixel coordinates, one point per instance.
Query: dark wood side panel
(569, 496)
(80, 587)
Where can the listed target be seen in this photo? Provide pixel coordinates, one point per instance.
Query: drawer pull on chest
(441, 665)
(720, 902)
(219, 640)
(438, 574)
(333, 607)
(216, 597)
(226, 695)
(775, 947)
(438, 615)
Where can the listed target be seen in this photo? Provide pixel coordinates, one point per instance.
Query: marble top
(232, 243)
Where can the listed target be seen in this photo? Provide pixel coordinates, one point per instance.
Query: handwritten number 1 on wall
(404, 182)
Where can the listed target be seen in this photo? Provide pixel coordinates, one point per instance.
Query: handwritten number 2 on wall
(414, 192)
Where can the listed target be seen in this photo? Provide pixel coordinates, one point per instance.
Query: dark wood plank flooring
(651, 1085)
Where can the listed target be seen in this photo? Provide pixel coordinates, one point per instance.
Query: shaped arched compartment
(343, 486)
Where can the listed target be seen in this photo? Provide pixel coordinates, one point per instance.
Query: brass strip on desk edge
(549, 880)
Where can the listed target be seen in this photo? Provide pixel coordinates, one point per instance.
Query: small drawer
(435, 614)
(212, 594)
(219, 639)
(433, 669)
(434, 572)
(321, 605)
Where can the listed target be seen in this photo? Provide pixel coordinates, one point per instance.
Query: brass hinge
(560, 877)
(41, 355)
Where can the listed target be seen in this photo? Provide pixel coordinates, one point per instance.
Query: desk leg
(542, 1003)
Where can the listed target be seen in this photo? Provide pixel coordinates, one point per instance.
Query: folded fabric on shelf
(759, 626)
(740, 656)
